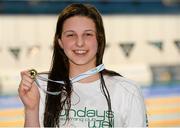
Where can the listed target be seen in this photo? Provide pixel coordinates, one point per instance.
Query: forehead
(79, 23)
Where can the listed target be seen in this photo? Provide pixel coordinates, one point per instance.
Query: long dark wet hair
(60, 65)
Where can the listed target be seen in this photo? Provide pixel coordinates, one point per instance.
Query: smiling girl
(102, 99)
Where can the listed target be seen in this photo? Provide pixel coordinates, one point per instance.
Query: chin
(81, 63)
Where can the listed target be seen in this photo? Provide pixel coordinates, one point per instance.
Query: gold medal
(33, 73)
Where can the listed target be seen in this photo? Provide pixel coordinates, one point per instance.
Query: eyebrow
(67, 31)
(88, 30)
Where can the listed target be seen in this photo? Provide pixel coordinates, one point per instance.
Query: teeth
(80, 51)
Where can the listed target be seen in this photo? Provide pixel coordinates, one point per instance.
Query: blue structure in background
(105, 6)
(171, 89)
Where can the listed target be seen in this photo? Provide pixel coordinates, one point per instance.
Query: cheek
(65, 45)
(67, 48)
(94, 46)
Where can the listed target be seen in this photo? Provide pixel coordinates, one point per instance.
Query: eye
(89, 34)
(68, 35)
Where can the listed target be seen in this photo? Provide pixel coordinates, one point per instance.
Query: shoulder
(124, 85)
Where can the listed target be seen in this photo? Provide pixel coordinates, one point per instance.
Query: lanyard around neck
(78, 77)
(87, 73)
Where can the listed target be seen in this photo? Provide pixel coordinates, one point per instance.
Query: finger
(25, 72)
(26, 88)
(26, 83)
(23, 89)
(27, 78)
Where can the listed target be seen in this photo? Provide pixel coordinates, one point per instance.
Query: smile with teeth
(80, 51)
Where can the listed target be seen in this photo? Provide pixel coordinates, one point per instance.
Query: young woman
(102, 99)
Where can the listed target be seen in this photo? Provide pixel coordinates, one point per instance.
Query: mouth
(80, 52)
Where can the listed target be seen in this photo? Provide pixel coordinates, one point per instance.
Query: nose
(80, 42)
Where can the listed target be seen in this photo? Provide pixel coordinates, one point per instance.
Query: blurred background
(143, 44)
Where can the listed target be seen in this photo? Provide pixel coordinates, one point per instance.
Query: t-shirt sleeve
(136, 116)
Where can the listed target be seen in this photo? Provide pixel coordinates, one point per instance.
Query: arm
(136, 117)
(31, 118)
(29, 95)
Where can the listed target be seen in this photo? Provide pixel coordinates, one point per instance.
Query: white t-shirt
(89, 106)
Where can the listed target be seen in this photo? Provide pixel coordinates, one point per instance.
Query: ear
(60, 43)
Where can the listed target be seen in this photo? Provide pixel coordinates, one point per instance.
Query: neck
(75, 70)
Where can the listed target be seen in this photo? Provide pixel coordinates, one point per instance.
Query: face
(79, 40)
